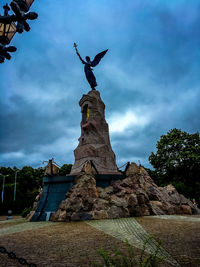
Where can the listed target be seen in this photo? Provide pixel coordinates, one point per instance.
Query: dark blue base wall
(55, 188)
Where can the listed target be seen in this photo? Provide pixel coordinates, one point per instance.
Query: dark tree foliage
(177, 161)
(28, 183)
(65, 169)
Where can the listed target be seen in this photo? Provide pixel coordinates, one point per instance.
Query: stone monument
(95, 189)
(94, 142)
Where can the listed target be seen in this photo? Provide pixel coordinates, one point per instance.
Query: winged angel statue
(88, 64)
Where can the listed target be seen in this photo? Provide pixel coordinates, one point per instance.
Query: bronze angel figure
(88, 64)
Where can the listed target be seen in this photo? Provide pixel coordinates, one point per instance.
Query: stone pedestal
(94, 142)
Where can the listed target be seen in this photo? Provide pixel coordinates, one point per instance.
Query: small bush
(128, 259)
(26, 211)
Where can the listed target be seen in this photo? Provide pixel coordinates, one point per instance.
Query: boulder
(119, 202)
(105, 192)
(30, 216)
(132, 200)
(59, 216)
(99, 214)
(185, 209)
(80, 216)
(101, 204)
(115, 212)
(156, 207)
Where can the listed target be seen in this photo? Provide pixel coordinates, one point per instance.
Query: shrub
(26, 211)
(129, 259)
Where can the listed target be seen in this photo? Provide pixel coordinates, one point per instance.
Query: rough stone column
(94, 142)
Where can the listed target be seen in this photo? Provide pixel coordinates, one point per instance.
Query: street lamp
(2, 192)
(7, 27)
(10, 24)
(24, 5)
(7, 31)
(15, 187)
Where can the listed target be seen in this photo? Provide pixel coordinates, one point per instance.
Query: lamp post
(24, 5)
(7, 31)
(15, 186)
(2, 192)
(8, 27)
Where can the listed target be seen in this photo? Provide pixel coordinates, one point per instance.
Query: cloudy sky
(149, 80)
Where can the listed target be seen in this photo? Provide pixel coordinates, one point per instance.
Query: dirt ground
(76, 244)
(180, 238)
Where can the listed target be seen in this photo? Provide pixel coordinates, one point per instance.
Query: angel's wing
(98, 58)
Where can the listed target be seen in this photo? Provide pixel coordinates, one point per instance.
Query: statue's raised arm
(88, 64)
(75, 46)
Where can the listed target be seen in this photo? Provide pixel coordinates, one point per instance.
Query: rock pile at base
(35, 205)
(136, 195)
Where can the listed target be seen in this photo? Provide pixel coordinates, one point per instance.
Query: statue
(89, 64)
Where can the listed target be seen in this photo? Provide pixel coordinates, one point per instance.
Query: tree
(28, 182)
(177, 161)
(65, 169)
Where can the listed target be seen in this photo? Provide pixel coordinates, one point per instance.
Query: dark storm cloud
(28, 125)
(149, 79)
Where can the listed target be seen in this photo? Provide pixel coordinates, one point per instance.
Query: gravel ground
(180, 238)
(76, 244)
(64, 244)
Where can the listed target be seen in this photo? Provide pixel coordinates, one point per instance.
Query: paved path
(12, 220)
(176, 217)
(130, 229)
(24, 227)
